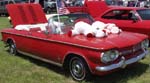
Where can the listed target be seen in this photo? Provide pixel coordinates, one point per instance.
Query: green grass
(23, 69)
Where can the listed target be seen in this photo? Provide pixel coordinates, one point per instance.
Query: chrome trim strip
(122, 62)
(56, 41)
(39, 58)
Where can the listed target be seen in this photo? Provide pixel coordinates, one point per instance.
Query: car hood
(26, 14)
(124, 39)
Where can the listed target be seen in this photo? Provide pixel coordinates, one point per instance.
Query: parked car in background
(128, 18)
(82, 56)
(3, 3)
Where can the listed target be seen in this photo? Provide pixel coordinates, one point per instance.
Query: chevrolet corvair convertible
(80, 55)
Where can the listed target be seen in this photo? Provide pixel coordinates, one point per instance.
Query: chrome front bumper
(122, 62)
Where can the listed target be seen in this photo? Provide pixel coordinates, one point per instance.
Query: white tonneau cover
(27, 27)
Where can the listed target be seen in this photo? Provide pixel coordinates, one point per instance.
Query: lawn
(23, 69)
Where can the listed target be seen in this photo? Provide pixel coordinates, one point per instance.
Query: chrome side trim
(39, 58)
(122, 62)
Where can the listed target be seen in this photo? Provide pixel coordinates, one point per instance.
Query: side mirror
(134, 18)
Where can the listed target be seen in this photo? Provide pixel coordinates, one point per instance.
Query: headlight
(145, 44)
(109, 56)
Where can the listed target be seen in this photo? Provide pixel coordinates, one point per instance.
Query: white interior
(27, 27)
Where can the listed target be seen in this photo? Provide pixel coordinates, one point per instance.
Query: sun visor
(26, 14)
(95, 8)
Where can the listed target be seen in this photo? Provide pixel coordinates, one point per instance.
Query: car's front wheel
(79, 69)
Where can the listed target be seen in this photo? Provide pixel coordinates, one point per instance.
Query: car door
(44, 45)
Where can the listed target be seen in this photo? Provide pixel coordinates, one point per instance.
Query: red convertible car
(80, 55)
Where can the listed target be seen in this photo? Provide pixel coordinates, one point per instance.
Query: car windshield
(67, 22)
(144, 14)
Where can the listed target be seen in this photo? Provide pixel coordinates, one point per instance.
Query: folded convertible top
(26, 14)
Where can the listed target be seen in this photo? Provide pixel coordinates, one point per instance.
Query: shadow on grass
(121, 76)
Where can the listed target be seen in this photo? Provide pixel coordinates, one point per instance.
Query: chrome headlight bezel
(145, 44)
(109, 56)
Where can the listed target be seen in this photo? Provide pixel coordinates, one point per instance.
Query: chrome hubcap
(77, 69)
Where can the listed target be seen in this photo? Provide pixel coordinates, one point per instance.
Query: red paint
(26, 14)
